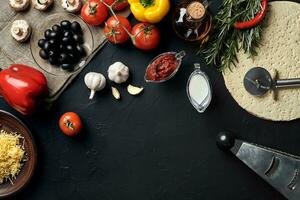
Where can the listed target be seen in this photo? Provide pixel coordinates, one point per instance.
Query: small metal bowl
(179, 56)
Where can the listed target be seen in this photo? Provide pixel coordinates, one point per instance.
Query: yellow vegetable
(152, 11)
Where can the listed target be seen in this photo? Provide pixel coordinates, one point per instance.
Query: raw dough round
(279, 51)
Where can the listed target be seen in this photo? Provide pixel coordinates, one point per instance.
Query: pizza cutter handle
(287, 83)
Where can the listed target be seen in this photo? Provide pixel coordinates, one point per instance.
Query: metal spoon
(258, 82)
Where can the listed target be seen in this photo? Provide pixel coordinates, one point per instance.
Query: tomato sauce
(162, 67)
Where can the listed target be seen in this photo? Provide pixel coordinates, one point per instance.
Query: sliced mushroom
(42, 4)
(72, 6)
(20, 30)
(19, 5)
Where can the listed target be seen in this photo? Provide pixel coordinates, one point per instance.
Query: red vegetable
(22, 87)
(114, 31)
(70, 124)
(147, 36)
(256, 20)
(94, 12)
(118, 4)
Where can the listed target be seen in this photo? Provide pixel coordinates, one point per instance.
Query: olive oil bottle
(192, 21)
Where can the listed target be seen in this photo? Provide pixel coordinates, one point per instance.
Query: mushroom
(20, 30)
(72, 6)
(19, 5)
(42, 4)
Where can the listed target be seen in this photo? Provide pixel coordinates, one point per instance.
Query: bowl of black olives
(61, 44)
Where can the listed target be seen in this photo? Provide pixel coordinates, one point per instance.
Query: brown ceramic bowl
(10, 123)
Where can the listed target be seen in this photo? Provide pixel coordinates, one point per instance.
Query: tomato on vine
(147, 36)
(114, 29)
(117, 5)
(94, 12)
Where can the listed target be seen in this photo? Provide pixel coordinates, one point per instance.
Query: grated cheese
(11, 156)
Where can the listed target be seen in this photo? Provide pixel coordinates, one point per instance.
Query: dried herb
(226, 41)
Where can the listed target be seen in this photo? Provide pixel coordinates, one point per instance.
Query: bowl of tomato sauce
(164, 66)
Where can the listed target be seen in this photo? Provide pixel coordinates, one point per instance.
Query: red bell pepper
(23, 87)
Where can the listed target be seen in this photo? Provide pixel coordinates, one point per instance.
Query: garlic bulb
(95, 82)
(20, 30)
(118, 72)
(19, 5)
(72, 6)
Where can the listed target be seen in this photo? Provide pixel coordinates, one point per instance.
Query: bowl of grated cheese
(17, 155)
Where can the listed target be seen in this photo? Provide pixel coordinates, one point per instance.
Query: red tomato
(70, 124)
(114, 32)
(147, 36)
(119, 5)
(94, 12)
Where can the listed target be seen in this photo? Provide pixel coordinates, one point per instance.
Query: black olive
(41, 43)
(62, 48)
(72, 58)
(80, 50)
(47, 46)
(65, 24)
(66, 40)
(63, 57)
(67, 66)
(47, 33)
(43, 54)
(52, 54)
(78, 38)
(75, 27)
(68, 34)
(69, 48)
(53, 34)
(52, 60)
(56, 28)
(53, 43)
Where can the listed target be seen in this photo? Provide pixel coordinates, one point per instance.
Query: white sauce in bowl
(198, 88)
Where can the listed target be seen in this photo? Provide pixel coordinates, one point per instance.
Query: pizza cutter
(258, 82)
(280, 169)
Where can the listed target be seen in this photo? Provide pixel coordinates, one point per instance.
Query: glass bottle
(192, 21)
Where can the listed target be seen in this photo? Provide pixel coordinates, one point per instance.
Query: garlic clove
(115, 92)
(133, 90)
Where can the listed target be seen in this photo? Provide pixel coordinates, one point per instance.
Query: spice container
(199, 90)
(192, 21)
(164, 67)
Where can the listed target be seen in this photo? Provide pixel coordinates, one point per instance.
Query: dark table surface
(151, 147)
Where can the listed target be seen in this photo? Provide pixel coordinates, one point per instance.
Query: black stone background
(151, 147)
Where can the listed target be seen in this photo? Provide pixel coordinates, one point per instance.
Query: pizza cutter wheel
(258, 82)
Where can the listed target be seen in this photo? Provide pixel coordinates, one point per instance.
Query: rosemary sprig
(226, 41)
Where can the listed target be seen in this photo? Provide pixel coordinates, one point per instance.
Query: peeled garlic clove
(133, 90)
(115, 92)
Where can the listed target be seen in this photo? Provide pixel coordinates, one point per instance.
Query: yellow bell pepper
(152, 11)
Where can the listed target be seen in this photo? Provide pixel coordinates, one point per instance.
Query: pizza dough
(279, 51)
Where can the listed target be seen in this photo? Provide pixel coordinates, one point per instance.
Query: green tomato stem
(110, 7)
